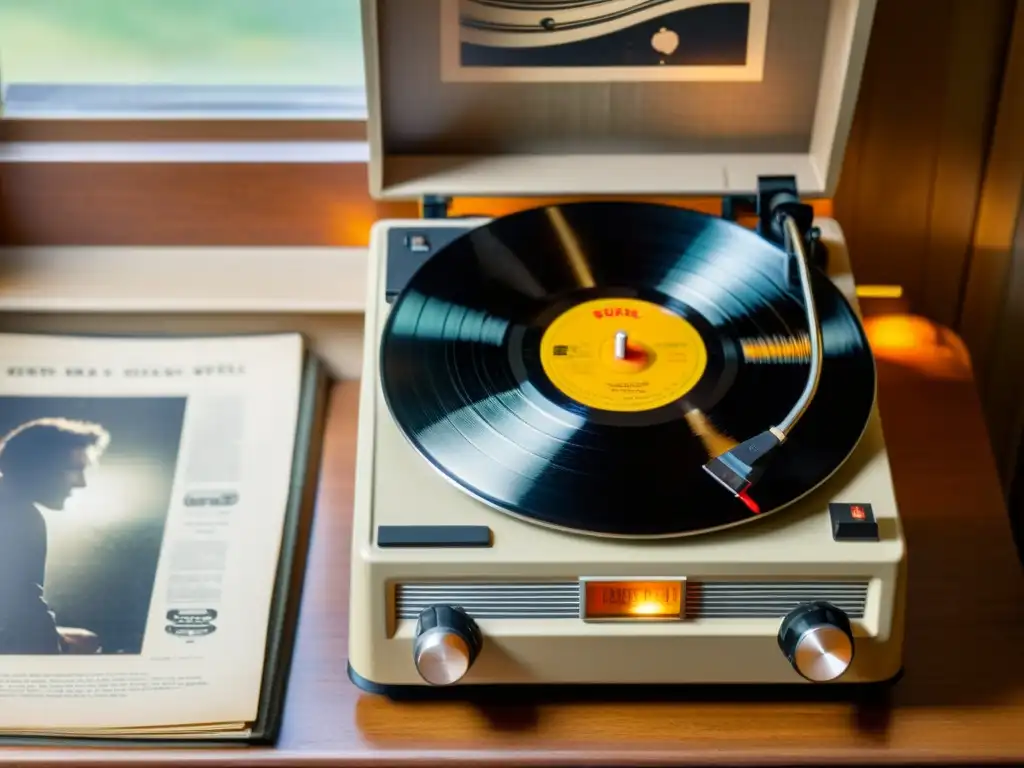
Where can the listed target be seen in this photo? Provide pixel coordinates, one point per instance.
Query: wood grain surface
(961, 699)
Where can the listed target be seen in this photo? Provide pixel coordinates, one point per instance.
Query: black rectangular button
(853, 522)
(433, 536)
(409, 249)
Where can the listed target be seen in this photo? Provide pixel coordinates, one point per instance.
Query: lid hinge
(777, 198)
(435, 206)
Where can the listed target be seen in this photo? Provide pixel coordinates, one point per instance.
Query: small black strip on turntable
(433, 536)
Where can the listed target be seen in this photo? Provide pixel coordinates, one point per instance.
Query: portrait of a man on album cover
(85, 485)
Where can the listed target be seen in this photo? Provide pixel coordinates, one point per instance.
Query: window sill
(156, 280)
(167, 101)
(184, 152)
(32, 113)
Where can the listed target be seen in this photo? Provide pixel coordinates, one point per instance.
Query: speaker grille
(561, 600)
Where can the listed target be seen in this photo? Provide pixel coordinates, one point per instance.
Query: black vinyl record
(500, 363)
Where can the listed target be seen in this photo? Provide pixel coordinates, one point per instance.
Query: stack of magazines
(153, 492)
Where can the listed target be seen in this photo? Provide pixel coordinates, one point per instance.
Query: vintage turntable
(618, 442)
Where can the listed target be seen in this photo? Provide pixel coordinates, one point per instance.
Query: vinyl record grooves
(577, 365)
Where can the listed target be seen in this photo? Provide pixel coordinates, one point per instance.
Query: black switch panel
(406, 536)
(853, 522)
(408, 250)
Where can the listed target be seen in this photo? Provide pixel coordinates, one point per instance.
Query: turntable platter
(577, 365)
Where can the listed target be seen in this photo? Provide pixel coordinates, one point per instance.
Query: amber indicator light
(634, 599)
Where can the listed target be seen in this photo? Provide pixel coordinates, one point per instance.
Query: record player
(605, 441)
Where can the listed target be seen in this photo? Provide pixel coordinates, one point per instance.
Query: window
(183, 122)
(182, 58)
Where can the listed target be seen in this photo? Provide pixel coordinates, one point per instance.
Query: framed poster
(603, 40)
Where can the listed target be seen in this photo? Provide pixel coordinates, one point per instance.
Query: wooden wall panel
(188, 204)
(913, 171)
(992, 324)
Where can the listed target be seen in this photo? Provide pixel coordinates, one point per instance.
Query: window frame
(109, 129)
(77, 160)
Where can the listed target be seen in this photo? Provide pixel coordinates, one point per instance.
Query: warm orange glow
(350, 220)
(880, 291)
(898, 334)
(495, 206)
(918, 343)
(349, 227)
(777, 349)
(715, 442)
(634, 599)
(647, 609)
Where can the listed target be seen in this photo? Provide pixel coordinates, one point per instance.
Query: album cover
(603, 40)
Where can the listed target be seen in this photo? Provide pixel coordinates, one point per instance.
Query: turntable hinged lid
(581, 97)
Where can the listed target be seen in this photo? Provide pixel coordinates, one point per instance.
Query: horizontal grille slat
(561, 600)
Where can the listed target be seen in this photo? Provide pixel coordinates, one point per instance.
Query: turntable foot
(818, 641)
(447, 643)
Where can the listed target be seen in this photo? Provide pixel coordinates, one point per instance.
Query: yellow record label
(622, 354)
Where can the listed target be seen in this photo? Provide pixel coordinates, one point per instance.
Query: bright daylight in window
(182, 57)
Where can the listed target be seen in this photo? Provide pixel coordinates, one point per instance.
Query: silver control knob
(446, 645)
(818, 641)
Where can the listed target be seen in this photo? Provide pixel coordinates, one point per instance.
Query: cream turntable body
(523, 585)
(695, 491)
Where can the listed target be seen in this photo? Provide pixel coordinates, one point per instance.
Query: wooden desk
(961, 700)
